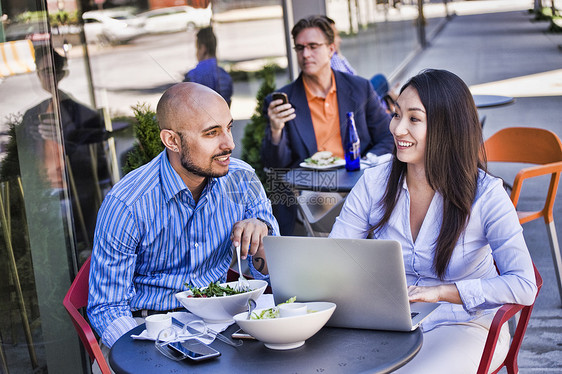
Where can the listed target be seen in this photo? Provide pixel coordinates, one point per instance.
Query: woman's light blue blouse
(493, 235)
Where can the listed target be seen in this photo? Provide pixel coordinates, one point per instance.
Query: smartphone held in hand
(280, 96)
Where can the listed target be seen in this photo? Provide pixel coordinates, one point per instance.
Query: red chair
(77, 298)
(502, 316)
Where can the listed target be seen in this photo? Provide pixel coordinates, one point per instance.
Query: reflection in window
(83, 133)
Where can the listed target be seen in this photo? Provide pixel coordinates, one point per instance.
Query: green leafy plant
(28, 16)
(60, 17)
(14, 209)
(10, 166)
(255, 129)
(147, 133)
(63, 17)
(245, 75)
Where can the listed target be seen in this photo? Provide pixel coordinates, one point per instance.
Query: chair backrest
(529, 145)
(525, 145)
(77, 298)
(502, 316)
(320, 209)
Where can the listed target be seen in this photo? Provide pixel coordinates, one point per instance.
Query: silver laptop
(365, 278)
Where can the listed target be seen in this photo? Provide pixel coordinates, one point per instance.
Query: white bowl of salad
(217, 303)
(283, 333)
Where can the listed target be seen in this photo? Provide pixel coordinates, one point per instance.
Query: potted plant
(147, 133)
(255, 129)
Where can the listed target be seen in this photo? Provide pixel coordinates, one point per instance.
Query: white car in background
(176, 18)
(111, 26)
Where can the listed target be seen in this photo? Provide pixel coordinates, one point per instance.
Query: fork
(206, 331)
(243, 284)
(225, 339)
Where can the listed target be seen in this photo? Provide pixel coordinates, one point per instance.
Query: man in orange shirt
(314, 119)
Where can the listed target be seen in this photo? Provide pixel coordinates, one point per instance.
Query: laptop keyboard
(413, 314)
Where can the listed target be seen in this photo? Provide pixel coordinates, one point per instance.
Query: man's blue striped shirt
(151, 238)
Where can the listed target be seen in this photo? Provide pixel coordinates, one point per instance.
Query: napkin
(185, 317)
(372, 159)
(265, 301)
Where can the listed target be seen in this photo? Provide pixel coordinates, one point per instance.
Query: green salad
(322, 158)
(271, 312)
(214, 289)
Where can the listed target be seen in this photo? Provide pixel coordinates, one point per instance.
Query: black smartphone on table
(194, 350)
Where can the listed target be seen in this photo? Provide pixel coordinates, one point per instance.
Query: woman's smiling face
(409, 128)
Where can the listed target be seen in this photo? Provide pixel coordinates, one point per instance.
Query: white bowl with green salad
(220, 302)
(279, 332)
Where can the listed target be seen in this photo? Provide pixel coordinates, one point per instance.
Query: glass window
(71, 72)
(53, 175)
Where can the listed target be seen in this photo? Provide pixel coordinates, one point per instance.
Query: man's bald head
(185, 103)
(195, 127)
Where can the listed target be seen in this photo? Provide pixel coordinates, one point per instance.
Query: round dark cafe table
(331, 350)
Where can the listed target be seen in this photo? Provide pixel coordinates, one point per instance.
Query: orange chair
(533, 146)
(75, 299)
(502, 316)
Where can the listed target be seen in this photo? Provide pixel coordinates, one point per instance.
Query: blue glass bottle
(352, 146)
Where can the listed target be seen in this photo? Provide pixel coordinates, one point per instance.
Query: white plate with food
(322, 160)
(215, 309)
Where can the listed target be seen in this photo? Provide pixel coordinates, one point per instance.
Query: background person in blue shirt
(338, 60)
(177, 219)
(208, 72)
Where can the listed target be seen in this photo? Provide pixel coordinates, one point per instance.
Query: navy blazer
(298, 141)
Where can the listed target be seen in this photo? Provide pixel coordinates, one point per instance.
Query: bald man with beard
(177, 219)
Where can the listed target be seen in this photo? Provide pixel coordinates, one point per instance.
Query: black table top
(331, 180)
(331, 350)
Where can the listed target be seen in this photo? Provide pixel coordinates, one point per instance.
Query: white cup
(292, 309)
(156, 323)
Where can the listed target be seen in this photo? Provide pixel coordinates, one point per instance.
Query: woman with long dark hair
(462, 242)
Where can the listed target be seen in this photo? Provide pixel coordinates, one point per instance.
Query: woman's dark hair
(314, 21)
(207, 37)
(452, 158)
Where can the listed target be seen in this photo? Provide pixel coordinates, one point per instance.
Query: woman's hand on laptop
(434, 294)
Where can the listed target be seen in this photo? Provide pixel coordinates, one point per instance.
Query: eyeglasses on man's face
(299, 48)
